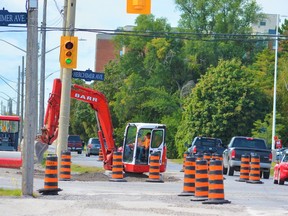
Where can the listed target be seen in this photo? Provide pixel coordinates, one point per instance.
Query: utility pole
(66, 88)
(42, 71)
(22, 101)
(275, 86)
(18, 92)
(10, 106)
(64, 29)
(31, 98)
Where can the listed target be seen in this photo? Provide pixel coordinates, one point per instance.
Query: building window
(262, 23)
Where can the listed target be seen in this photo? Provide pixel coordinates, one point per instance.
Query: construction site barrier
(244, 168)
(254, 175)
(199, 156)
(201, 181)
(184, 159)
(10, 159)
(216, 156)
(207, 157)
(216, 186)
(117, 168)
(189, 177)
(154, 168)
(51, 176)
(100, 156)
(65, 168)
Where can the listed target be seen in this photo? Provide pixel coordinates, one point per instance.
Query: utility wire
(172, 35)
(2, 78)
(8, 79)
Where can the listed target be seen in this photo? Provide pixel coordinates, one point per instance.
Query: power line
(8, 79)
(3, 79)
(173, 35)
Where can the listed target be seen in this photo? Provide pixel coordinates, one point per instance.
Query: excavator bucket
(40, 148)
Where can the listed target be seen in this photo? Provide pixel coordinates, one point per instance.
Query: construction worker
(143, 147)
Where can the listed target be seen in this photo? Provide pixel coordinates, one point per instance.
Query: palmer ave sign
(7, 18)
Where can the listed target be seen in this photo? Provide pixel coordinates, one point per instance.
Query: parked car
(93, 147)
(75, 143)
(240, 145)
(206, 145)
(281, 170)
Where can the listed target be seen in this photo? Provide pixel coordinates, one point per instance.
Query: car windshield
(95, 141)
(74, 139)
(249, 143)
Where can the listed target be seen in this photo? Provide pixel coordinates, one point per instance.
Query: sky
(92, 14)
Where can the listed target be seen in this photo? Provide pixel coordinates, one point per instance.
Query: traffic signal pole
(66, 88)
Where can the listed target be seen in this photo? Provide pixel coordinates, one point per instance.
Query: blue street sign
(87, 75)
(7, 18)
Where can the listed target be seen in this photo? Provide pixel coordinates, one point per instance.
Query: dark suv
(206, 145)
(75, 143)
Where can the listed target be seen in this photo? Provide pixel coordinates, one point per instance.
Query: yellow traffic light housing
(139, 6)
(68, 52)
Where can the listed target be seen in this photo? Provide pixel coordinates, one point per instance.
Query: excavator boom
(97, 101)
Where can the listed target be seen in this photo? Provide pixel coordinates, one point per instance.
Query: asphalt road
(141, 198)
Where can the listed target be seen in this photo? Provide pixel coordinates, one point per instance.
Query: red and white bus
(9, 132)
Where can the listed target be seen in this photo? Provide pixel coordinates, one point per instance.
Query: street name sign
(7, 18)
(87, 75)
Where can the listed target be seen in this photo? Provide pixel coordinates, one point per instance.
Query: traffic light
(68, 51)
(139, 6)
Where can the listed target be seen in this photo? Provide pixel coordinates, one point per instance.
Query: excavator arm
(97, 101)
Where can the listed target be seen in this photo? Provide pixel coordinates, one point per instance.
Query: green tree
(143, 85)
(214, 27)
(218, 16)
(82, 117)
(263, 129)
(226, 102)
(283, 30)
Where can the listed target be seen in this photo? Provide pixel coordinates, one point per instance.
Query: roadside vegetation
(208, 76)
(10, 192)
(85, 169)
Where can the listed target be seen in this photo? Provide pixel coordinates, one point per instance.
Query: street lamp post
(275, 85)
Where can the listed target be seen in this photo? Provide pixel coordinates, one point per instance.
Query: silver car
(93, 147)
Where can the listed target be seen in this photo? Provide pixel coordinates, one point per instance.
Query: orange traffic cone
(207, 157)
(117, 168)
(51, 177)
(201, 181)
(254, 175)
(184, 159)
(100, 156)
(216, 186)
(189, 177)
(244, 168)
(154, 168)
(65, 169)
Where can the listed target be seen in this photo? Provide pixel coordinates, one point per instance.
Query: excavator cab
(137, 147)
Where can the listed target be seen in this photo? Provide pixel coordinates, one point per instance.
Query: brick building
(105, 50)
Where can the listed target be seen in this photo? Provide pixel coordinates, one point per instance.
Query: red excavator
(135, 157)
